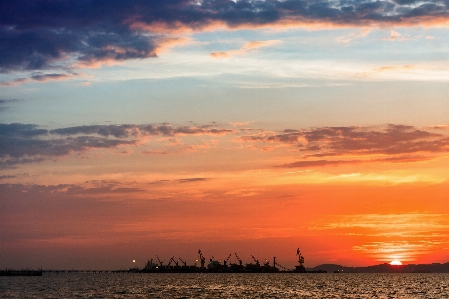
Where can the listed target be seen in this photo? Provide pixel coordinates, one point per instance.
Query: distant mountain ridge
(385, 268)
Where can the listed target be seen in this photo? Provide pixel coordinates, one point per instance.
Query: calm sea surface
(127, 285)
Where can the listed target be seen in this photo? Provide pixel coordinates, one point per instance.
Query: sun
(395, 263)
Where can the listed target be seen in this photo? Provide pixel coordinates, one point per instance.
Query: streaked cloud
(404, 236)
(249, 46)
(341, 145)
(39, 77)
(316, 147)
(26, 143)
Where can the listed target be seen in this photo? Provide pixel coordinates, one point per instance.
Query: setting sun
(396, 263)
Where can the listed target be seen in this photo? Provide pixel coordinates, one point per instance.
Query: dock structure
(25, 272)
(215, 266)
(173, 266)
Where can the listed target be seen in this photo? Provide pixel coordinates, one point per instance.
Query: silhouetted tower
(300, 258)
(202, 258)
(300, 268)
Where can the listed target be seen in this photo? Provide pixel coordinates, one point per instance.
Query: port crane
(185, 263)
(159, 260)
(174, 261)
(300, 257)
(225, 262)
(257, 261)
(238, 259)
(282, 267)
(202, 258)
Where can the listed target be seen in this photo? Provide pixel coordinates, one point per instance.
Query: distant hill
(385, 268)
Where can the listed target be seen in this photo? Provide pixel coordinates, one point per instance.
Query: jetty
(24, 272)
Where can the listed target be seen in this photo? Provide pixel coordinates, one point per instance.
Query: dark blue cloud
(27, 143)
(43, 34)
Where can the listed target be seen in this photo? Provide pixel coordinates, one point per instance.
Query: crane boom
(185, 263)
(227, 260)
(159, 260)
(240, 261)
(257, 261)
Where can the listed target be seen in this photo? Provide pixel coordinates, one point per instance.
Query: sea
(226, 285)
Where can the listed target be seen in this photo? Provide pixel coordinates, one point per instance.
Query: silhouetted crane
(159, 260)
(173, 260)
(185, 263)
(225, 262)
(257, 261)
(240, 261)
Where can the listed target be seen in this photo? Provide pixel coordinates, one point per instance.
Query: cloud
(220, 54)
(121, 131)
(191, 180)
(405, 235)
(393, 68)
(39, 77)
(51, 35)
(27, 143)
(439, 127)
(409, 223)
(4, 103)
(395, 144)
(245, 48)
(345, 39)
(316, 147)
(394, 34)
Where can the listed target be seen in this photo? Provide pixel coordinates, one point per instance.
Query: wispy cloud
(404, 236)
(351, 37)
(249, 46)
(39, 77)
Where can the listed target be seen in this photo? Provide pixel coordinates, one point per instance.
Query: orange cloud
(245, 48)
(392, 68)
(391, 236)
(220, 54)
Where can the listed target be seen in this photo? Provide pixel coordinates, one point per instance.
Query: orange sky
(223, 194)
(131, 129)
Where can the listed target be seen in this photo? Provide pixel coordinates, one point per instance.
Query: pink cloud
(245, 48)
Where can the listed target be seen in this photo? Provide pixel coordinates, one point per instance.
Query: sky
(135, 129)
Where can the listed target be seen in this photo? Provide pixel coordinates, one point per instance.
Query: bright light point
(396, 263)
(134, 261)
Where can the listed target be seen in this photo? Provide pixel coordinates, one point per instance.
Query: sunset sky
(130, 129)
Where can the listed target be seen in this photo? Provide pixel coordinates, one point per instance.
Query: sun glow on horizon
(396, 263)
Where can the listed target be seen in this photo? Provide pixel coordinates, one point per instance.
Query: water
(127, 285)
